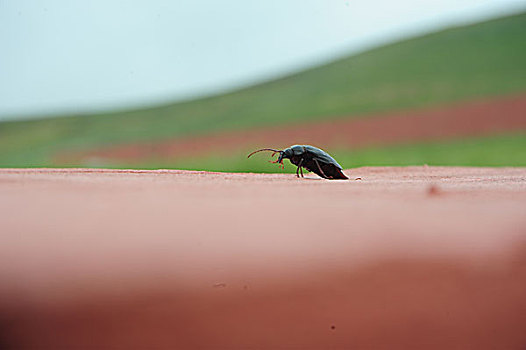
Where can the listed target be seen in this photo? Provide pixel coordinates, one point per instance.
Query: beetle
(311, 158)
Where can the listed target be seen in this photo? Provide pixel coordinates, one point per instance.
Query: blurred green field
(498, 150)
(470, 62)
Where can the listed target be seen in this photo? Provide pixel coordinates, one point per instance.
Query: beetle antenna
(264, 149)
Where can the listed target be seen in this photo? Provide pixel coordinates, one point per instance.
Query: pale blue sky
(69, 56)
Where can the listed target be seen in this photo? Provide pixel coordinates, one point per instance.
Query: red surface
(417, 257)
(464, 119)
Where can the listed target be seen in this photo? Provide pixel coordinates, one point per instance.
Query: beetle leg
(319, 167)
(298, 169)
(301, 171)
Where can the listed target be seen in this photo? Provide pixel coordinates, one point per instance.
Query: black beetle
(311, 158)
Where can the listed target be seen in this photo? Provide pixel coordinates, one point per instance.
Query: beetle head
(287, 153)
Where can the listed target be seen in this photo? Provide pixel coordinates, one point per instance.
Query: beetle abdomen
(328, 171)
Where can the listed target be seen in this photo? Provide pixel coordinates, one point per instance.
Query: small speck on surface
(433, 190)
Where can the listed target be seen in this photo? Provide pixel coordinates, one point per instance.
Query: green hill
(507, 149)
(469, 62)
